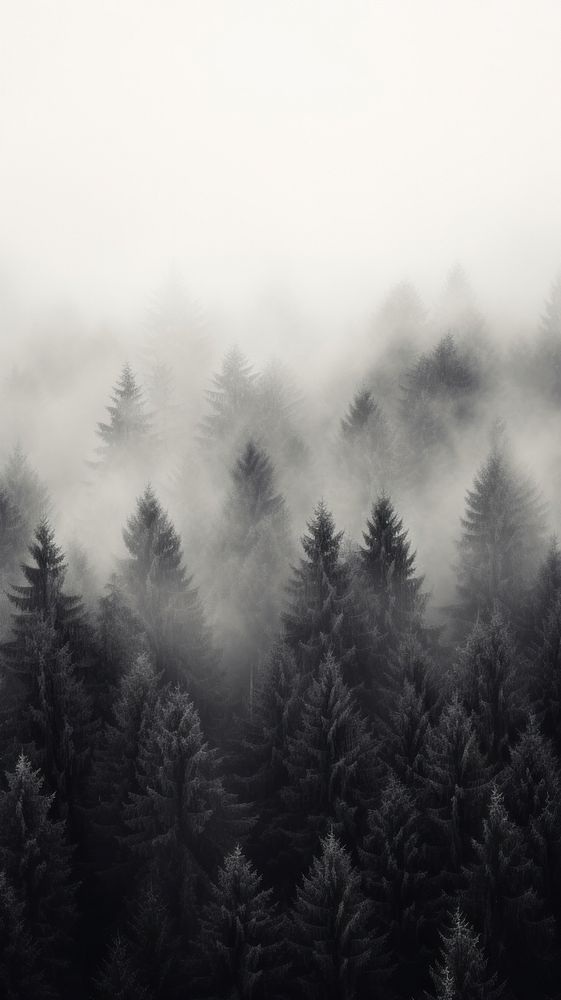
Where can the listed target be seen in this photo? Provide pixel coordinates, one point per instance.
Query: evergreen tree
(500, 893)
(262, 755)
(164, 598)
(231, 402)
(21, 976)
(333, 942)
(35, 856)
(128, 428)
(329, 763)
(54, 716)
(546, 674)
(367, 446)
(388, 596)
(116, 769)
(547, 587)
(120, 639)
(11, 533)
(489, 684)
(396, 880)
(461, 972)
(43, 595)
(26, 493)
(318, 618)
(253, 497)
(547, 362)
(501, 542)
(411, 703)
(182, 819)
(455, 788)
(532, 789)
(119, 978)
(240, 935)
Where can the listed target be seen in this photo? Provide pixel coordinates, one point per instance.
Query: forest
(280, 701)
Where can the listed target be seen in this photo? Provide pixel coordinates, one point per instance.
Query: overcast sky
(329, 147)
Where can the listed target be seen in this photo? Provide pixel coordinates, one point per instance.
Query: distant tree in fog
(126, 433)
(252, 497)
(26, 492)
(231, 403)
(502, 541)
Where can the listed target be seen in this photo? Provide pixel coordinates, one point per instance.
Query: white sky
(333, 146)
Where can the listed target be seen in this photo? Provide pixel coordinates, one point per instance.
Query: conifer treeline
(312, 791)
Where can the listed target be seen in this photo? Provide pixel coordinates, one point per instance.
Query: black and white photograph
(280, 500)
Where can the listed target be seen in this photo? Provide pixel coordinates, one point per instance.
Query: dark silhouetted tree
(461, 972)
(334, 946)
(319, 616)
(329, 763)
(21, 975)
(240, 937)
(36, 859)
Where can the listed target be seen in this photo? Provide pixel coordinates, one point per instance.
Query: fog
(285, 166)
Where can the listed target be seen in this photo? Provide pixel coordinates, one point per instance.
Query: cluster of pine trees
(319, 793)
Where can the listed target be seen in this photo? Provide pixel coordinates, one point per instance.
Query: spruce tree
(21, 975)
(532, 790)
(334, 946)
(128, 428)
(261, 758)
(388, 596)
(461, 972)
(500, 893)
(239, 940)
(164, 598)
(394, 869)
(501, 543)
(119, 978)
(329, 763)
(411, 701)
(35, 856)
(54, 716)
(319, 617)
(11, 533)
(26, 492)
(546, 674)
(253, 497)
(455, 781)
(43, 594)
(488, 676)
(120, 639)
(231, 403)
(182, 819)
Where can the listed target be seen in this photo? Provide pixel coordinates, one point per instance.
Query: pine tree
(253, 497)
(455, 788)
(548, 352)
(166, 601)
(21, 975)
(231, 402)
(501, 542)
(318, 618)
(11, 533)
(120, 640)
(546, 674)
(182, 819)
(36, 859)
(387, 594)
(116, 767)
(27, 494)
(128, 429)
(411, 703)
(461, 972)
(547, 587)
(532, 790)
(240, 935)
(253, 554)
(264, 748)
(329, 763)
(333, 942)
(367, 446)
(119, 978)
(43, 595)
(396, 881)
(489, 682)
(54, 716)
(500, 893)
